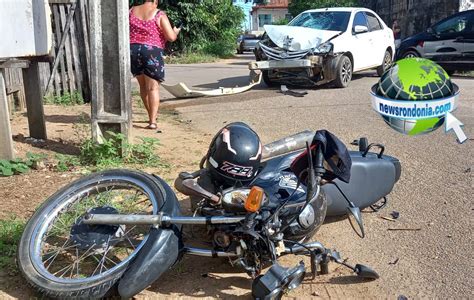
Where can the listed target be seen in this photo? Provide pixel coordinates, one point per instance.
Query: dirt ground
(183, 143)
(182, 147)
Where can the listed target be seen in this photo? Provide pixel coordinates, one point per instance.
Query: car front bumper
(312, 65)
(280, 64)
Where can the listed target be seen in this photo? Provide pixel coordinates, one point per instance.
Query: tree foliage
(209, 26)
(297, 6)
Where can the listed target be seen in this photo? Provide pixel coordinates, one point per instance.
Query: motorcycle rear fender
(160, 252)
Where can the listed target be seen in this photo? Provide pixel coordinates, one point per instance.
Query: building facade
(272, 12)
(416, 15)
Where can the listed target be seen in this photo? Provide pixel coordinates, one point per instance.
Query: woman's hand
(171, 34)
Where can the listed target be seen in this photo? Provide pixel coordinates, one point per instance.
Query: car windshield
(324, 20)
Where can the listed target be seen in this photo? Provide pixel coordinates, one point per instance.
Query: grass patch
(67, 99)
(136, 99)
(66, 162)
(19, 165)
(191, 58)
(114, 151)
(10, 234)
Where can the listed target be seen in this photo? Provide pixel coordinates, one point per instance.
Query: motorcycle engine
(221, 239)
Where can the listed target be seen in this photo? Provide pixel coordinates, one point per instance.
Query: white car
(324, 45)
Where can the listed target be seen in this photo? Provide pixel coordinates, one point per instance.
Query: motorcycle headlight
(324, 48)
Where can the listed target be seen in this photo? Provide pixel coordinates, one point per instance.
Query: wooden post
(34, 100)
(110, 67)
(6, 143)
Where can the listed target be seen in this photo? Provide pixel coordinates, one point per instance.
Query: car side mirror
(360, 29)
(430, 30)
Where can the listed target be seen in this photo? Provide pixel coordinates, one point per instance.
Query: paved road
(433, 194)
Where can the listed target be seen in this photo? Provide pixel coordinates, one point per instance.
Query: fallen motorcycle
(118, 231)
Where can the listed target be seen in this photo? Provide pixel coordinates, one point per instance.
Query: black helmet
(234, 154)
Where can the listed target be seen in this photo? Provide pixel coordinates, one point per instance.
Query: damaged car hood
(296, 38)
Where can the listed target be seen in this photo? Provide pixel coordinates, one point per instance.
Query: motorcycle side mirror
(365, 272)
(355, 216)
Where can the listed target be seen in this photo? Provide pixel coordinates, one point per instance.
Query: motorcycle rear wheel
(64, 259)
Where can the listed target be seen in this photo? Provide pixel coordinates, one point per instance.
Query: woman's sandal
(151, 126)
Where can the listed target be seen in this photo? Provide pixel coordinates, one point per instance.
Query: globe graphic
(413, 79)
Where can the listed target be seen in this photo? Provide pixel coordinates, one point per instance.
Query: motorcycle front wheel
(63, 258)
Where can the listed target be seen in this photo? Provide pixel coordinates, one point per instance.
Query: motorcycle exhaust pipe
(160, 219)
(287, 144)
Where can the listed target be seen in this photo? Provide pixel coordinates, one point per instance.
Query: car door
(360, 43)
(378, 39)
(447, 43)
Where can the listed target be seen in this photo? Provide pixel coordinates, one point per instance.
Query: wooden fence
(68, 71)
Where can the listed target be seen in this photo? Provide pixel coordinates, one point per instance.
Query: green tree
(297, 6)
(209, 26)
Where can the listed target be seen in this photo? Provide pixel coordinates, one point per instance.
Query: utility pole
(110, 67)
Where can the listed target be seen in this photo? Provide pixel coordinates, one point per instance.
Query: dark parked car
(246, 42)
(450, 43)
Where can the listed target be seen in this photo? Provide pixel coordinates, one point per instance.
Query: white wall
(25, 28)
(466, 4)
(277, 14)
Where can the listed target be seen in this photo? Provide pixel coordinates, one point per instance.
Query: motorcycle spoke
(54, 251)
(66, 269)
(57, 253)
(98, 261)
(62, 271)
(78, 261)
(128, 239)
(77, 255)
(103, 257)
(101, 261)
(110, 260)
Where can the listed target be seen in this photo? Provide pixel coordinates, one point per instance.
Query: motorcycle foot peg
(185, 175)
(365, 272)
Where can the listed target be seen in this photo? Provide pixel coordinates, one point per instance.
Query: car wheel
(387, 62)
(411, 54)
(343, 72)
(267, 80)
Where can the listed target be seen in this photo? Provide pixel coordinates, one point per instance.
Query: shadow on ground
(67, 119)
(203, 277)
(61, 147)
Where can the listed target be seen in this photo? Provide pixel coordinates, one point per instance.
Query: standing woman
(150, 29)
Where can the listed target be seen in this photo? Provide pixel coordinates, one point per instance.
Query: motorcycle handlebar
(319, 159)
